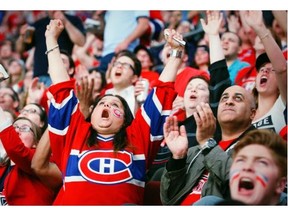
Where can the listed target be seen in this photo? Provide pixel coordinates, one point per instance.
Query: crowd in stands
(211, 129)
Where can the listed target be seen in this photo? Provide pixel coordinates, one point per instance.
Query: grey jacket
(176, 184)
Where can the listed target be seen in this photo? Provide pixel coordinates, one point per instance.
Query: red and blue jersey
(98, 175)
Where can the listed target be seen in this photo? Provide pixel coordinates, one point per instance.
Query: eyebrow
(236, 94)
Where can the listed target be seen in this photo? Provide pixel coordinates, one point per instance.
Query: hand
(178, 103)
(254, 19)
(205, 121)
(35, 91)
(121, 46)
(175, 139)
(139, 87)
(84, 92)
(169, 34)
(233, 23)
(54, 29)
(214, 22)
(59, 15)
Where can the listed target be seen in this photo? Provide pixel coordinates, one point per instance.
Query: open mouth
(246, 184)
(263, 80)
(105, 114)
(117, 74)
(193, 97)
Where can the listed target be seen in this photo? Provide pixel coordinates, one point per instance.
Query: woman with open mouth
(104, 159)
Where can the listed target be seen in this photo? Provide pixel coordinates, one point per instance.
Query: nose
(229, 101)
(107, 105)
(248, 166)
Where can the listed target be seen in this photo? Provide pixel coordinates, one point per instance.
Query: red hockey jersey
(100, 176)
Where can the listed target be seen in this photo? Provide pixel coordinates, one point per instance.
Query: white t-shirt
(274, 119)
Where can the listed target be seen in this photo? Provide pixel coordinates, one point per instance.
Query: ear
(253, 113)
(15, 104)
(281, 184)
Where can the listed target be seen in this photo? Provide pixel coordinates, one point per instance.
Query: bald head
(236, 108)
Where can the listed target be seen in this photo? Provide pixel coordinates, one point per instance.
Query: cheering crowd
(109, 108)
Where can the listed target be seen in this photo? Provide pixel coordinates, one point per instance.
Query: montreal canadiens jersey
(98, 175)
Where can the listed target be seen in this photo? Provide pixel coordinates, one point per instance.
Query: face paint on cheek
(117, 113)
(234, 174)
(262, 179)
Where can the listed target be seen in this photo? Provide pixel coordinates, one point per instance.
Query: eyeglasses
(23, 128)
(124, 65)
(30, 111)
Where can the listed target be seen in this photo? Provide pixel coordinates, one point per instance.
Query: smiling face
(254, 176)
(7, 99)
(108, 116)
(196, 92)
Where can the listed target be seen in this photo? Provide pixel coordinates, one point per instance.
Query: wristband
(266, 35)
(50, 50)
(176, 53)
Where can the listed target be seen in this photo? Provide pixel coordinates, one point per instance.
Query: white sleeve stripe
(63, 103)
(58, 132)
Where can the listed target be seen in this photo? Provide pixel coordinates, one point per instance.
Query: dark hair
(132, 56)
(102, 74)
(14, 96)
(120, 139)
(142, 47)
(239, 39)
(71, 61)
(43, 116)
(35, 128)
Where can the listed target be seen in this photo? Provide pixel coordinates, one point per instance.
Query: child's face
(254, 176)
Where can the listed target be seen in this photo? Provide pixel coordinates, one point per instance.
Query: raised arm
(46, 171)
(212, 28)
(255, 20)
(169, 72)
(74, 33)
(142, 26)
(56, 67)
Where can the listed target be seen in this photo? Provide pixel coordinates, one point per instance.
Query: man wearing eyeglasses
(125, 71)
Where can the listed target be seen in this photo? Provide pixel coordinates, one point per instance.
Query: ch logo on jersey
(104, 167)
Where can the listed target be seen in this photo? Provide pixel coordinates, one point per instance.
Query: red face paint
(117, 113)
(262, 179)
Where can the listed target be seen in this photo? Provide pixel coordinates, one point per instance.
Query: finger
(175, 123)
(201, 112)
(183, 131)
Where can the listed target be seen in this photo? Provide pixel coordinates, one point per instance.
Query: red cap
(184, 77)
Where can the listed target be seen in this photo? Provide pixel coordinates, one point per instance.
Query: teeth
(246, 183)
(263, 80)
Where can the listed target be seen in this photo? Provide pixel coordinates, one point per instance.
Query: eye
(224, 98)
(238, 160)
(101, 103)
(201, 87)
(115, 105)
(238, 99)
(263, 162)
